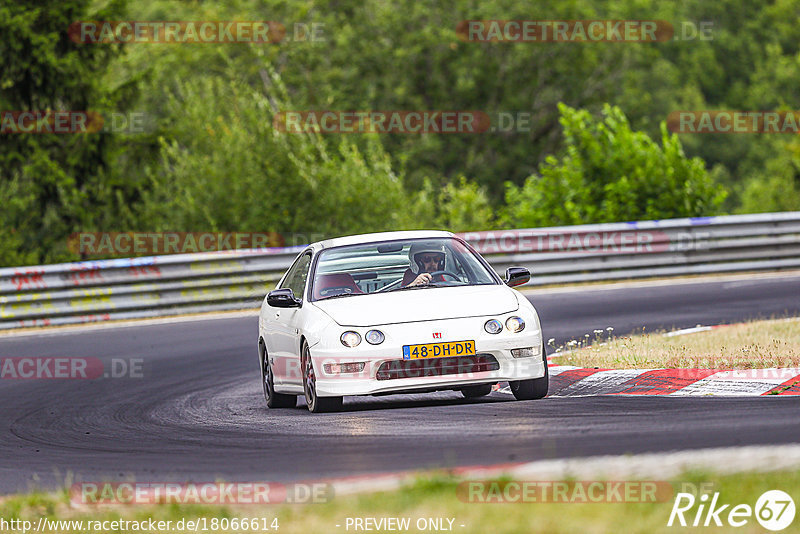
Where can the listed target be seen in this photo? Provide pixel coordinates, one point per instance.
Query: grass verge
(754, 345)
(438, 497)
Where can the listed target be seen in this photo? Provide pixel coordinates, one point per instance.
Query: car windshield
(395, 265)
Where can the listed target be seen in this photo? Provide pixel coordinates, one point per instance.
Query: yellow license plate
(439, 350)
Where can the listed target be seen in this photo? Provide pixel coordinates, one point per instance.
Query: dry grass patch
(754, 345)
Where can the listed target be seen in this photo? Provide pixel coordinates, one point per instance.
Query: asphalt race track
(198, 413)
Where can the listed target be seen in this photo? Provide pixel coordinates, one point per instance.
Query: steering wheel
(445, 273)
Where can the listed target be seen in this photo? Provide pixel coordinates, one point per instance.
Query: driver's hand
(422, 279)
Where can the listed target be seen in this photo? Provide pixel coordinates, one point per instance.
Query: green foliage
(461, 206)
(49, 184)
(211, 159)
(464, 206)
(777, 187)
(611, 173)
(228, 169)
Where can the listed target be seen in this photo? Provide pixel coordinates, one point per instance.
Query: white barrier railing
(188, 283)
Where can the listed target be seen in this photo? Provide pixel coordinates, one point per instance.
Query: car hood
(427, 304)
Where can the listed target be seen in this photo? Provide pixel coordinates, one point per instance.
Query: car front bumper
(489, 347)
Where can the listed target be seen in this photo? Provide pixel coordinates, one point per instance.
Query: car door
(285, 355)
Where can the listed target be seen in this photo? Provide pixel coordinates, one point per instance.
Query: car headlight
(350, 339)
(493, 326)
(374, 337)
(515, 324)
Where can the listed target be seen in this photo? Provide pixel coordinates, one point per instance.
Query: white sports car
(397, 312)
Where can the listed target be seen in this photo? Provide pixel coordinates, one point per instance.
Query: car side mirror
(283, 298)
(516, 276)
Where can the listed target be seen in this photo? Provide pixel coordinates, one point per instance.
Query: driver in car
(424, 259)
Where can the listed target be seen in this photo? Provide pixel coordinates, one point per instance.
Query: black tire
(535, 388)
(473, 392)
(315, 403)
(274, 400)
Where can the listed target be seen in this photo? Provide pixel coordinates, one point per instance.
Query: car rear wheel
(536, 388)
(316, 404)
(473, 392)
(274, 400)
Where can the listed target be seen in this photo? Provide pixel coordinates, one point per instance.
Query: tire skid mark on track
(199, 414)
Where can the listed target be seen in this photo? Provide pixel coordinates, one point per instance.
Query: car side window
(297, 277)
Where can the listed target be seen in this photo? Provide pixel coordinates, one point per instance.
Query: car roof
(380, 236)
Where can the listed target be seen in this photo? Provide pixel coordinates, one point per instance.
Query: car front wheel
(274, 400)
(535, 388)
(316, 404)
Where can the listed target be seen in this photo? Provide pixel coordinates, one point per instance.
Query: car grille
(437, 367)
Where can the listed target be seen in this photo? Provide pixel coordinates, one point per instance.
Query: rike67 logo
(774, 510)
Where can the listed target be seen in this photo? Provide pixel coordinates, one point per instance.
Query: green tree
(777, 187)
(50, 184)
(401, 55)
(229, 169)
(611, 173)
(464, 206)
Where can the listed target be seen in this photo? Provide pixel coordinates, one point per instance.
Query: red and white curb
(569, 381)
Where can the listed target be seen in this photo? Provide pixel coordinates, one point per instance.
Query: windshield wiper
(422, 286)
(340, 295)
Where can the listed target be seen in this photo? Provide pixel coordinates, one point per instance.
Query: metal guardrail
(187, 283)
